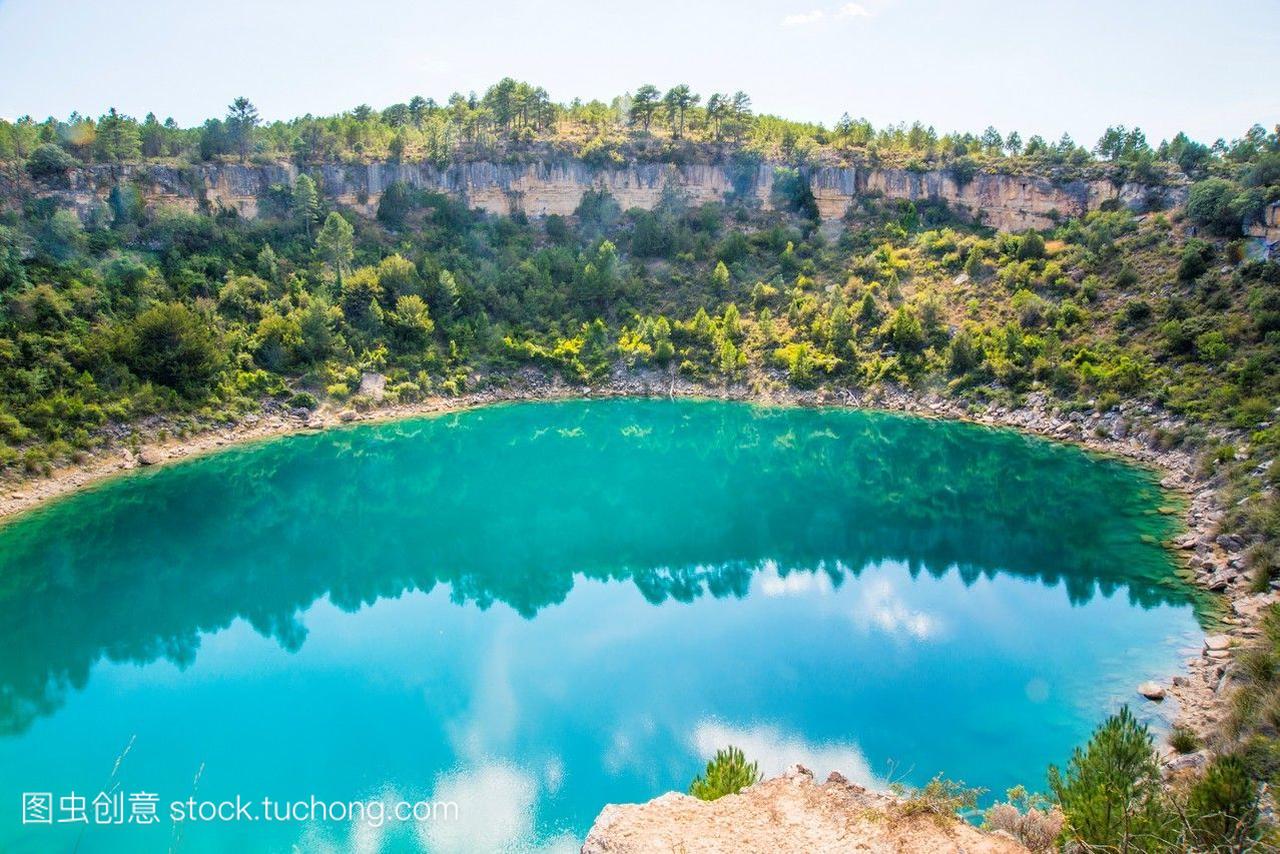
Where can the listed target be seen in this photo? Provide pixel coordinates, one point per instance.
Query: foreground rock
(150, 457)
(1151, 690)
(787, 813)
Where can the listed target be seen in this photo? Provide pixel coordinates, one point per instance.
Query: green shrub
(1136, 313)
(1111, 792)
(1222, 807)
(303, 400)
(727, 774)
(1194, 261)
(1031, 247)
(172, 345)
(35, 461)
(1211, 203)
(1212, 347)
(49, 162)
(940, 797)
(1184, 740)
(1264, 565)
(406, 392)
(11, 429)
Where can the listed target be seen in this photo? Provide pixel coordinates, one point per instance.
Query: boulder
(1217, 643)
(373, 384)
(1230, 542)
(347, 415)
(1220, 580)
(1151, 690)
(150, 457)
(1187, 762)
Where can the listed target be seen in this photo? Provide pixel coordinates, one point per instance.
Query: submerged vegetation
(130, 311)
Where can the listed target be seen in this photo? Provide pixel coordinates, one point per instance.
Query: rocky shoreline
(1215, 563)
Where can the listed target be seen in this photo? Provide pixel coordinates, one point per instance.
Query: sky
(1209, 68)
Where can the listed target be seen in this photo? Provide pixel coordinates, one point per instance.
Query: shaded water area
(532, 610)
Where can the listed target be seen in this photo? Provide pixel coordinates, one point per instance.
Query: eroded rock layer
(1005, 202)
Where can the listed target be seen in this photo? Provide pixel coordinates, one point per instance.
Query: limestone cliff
(1268, 230)
(1005, 202)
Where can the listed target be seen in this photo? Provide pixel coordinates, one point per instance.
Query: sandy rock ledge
(786, 814)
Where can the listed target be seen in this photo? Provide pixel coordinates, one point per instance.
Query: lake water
(528, 611)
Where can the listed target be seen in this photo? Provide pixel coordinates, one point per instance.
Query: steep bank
(1001, 201)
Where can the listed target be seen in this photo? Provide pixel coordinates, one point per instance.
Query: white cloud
(630, 746)
(496, 805)
(487, 726)
(553, 775)
(879, 607)
(775, 751)
(848, 10)
(798, 582)
(364, 835)
(803, 19)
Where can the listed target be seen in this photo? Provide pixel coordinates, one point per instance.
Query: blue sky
(1038, 67)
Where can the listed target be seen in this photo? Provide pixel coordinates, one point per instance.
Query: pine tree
(118, 139)
(306, 202)
(1222, 807)
(335, 243)
(727, 774)
(645, 104)
(1111, 792)
(242, 119)
(678, 101)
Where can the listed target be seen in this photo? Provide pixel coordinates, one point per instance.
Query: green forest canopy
(649, 121)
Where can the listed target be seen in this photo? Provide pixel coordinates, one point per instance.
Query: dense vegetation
(1111, 797)
(136, 310)
(516, 120)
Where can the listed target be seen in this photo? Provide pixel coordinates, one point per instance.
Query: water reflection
(775, 751)
(510, 504)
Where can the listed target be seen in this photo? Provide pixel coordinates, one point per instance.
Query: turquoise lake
(532, 610)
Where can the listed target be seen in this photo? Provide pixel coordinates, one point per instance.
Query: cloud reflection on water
(776, 750)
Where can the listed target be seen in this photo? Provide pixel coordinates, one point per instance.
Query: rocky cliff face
(1005, 202)
(1269, 229)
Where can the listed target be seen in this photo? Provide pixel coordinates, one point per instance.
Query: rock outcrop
(1268, 230)
(786, 814)
(1005, 202)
